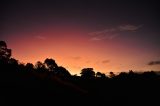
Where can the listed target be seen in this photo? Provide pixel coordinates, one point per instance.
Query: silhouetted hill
(46, 84)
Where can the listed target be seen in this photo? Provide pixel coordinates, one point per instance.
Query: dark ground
(22, 90)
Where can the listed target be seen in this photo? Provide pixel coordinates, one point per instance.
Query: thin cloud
(40, 37)
(129, 27)
(102, 31)
(76, 57)
(154, 63)
(107, 36)
(88, 61)
(77, 67)
(95, 39)
(100, 37)
(105, 61)
(111, 33)
(113, 36)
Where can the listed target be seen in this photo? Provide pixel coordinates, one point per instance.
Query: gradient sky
(107, 35)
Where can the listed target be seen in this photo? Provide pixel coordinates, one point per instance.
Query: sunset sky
(108, 35)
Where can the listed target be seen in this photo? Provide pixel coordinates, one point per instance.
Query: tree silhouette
(51, 64)
(100, 75)
(111, 74)
(13, 61)
(87, 73)
(48, 79)
(29, 67)
(62, 72)
(40, 67)
(5, 53)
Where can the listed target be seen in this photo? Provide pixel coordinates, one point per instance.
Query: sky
(107, 35)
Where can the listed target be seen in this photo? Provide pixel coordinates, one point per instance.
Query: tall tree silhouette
(87, 73)
(51, 64)
(5, 53)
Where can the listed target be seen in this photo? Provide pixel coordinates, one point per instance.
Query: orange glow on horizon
(77, 52)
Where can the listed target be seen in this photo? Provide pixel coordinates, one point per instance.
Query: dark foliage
(87, 73)
(46, 84)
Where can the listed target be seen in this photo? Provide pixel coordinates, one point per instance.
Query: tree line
(50, 66)
(48, 83)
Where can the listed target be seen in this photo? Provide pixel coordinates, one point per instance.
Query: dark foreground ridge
(47, 84)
